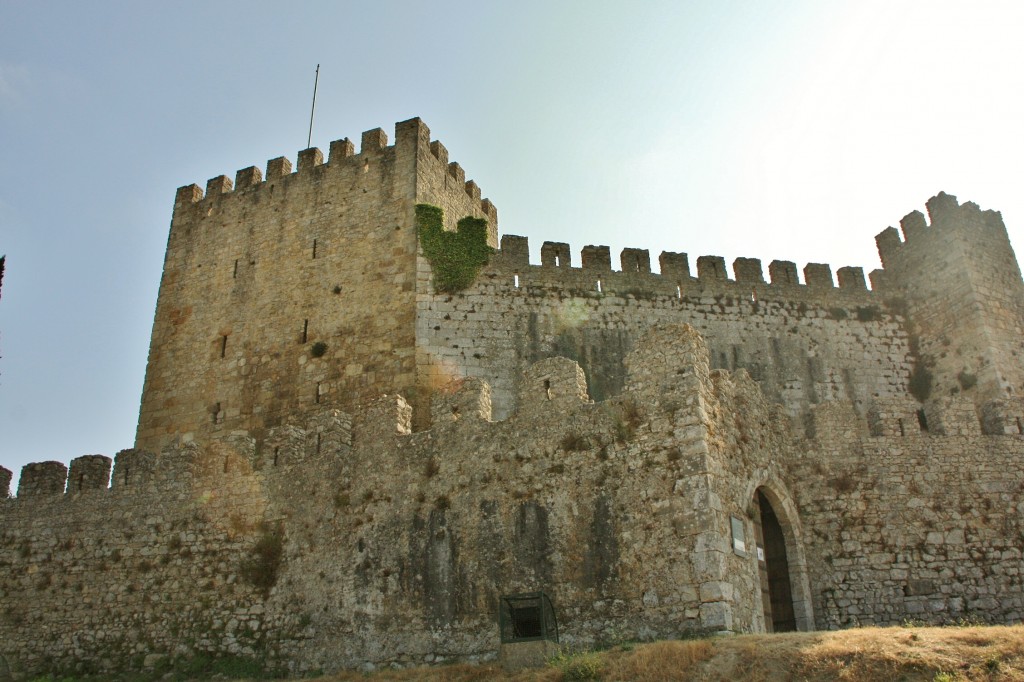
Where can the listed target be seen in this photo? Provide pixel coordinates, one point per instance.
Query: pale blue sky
(793, 130)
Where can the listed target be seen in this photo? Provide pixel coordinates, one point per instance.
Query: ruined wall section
(440, 523)
(399, 545)
(964, 298)
(923, 526)
(731, 441)
(752, 446)
(805, 343)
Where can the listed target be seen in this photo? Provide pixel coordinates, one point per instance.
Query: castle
(342, 463)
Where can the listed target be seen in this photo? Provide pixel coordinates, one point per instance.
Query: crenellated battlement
(412, 142)
(945, 214)
(712, 275)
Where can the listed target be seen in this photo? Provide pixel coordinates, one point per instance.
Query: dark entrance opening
(526, 617)
(526, 622)
(776, 589)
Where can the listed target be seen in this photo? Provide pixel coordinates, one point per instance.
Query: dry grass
(890, 654)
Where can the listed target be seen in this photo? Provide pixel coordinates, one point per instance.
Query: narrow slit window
(234, 274)
(547, 388)
(277, 453)
(753, 295)
(515, 280)
(305, 331)
(679, 291)
(316, 395)
(314, 249)
(226, 460)
(319, 438)
(902, 431)
(558, 262)
(599, 289)
(223, 344)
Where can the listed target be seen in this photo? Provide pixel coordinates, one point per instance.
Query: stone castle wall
(398, 546)
(106, 577)
(804, 343)
(400, 543)
(924, 527)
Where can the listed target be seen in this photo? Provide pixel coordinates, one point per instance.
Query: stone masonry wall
(394, 546)
(923, 527)
(100, 579)
(804, 343)
(398, 546)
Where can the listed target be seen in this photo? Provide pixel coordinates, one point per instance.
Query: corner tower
(297, 289)
(964, 299)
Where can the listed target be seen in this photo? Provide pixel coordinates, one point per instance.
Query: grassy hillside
(912, 653)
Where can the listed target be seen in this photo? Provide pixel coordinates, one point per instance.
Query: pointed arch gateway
(785, 588)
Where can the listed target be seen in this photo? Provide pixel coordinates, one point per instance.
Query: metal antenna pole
(316, 80)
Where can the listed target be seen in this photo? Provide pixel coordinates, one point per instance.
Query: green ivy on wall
(455, 257)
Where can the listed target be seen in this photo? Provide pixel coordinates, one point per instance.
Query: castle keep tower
(297, 289)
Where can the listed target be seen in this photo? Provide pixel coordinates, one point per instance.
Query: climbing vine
(455, 257)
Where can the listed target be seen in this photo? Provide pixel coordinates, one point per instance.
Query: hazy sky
(792, 130)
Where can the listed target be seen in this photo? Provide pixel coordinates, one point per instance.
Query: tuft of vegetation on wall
(966, 379)
(260, 568)
(869, 313)
(921, 378)
(920, 385)
(455, 257)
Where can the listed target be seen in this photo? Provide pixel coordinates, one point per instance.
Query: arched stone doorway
(773, 566)
(766, 484)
